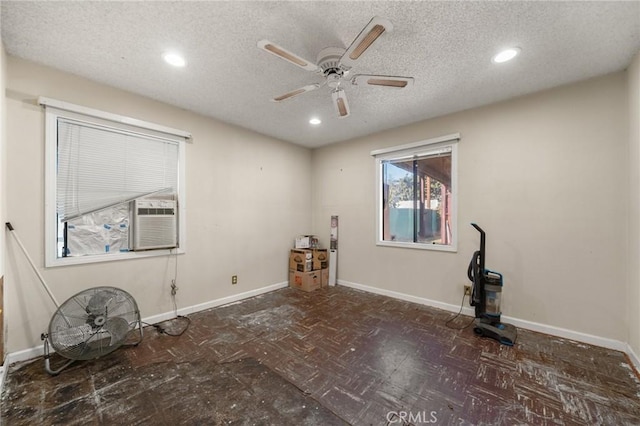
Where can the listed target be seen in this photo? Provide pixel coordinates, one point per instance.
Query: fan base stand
(47, 358)
(47, 353)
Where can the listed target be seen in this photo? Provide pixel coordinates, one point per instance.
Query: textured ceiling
(446, 46)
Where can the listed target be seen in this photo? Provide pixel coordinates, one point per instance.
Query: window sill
(418, 246)
(83, 260)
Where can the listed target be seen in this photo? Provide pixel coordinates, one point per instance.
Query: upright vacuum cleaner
(485, 296)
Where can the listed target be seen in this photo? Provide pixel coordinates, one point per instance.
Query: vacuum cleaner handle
(478, 229)
(470, 269)
(474, 274)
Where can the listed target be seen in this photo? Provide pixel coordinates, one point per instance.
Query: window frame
(55, 109)
(415, 149)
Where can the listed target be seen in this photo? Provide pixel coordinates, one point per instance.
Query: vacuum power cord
(447, 324)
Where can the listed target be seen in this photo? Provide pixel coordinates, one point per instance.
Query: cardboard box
(320, 259)
(301, 260)
(324, 278)
(305, 281)
(306, 242)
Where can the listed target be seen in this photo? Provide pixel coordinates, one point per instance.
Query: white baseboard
(635, 359)
(215, 303)
(529, 325)
(37, 351)
(23, 355)
(408, 298)
(568, 334)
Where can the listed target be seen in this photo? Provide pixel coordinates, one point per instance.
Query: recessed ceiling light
(506, 55)
(315, 121)
(174, 59)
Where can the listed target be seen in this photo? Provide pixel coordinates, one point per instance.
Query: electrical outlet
(234, 279)
(174, 288)
(467, 290)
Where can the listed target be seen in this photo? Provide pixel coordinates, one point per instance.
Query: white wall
(248, 195)
(633, 291)
(545, 176)
(3, 72)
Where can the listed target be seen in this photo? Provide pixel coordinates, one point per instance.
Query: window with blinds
(98, 168)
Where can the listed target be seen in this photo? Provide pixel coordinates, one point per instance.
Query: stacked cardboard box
(308, 269)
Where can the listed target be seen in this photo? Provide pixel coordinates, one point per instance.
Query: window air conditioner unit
(154, 224)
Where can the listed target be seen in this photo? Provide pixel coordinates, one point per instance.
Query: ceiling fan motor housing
(329, 63)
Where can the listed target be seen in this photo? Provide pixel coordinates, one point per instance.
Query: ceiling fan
(335, 64)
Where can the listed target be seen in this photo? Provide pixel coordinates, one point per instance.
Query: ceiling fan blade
(296, 92)
(340, 103)
(391, 81)
(283, 53)
(374, 29)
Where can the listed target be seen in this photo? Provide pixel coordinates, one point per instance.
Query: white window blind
(100, 166)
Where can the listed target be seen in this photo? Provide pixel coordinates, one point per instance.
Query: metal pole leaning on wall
(33, 266)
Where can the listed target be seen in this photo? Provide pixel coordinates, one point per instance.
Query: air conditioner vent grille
(156, 211)
(155, 224)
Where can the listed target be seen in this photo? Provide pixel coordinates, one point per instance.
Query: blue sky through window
(394, 172)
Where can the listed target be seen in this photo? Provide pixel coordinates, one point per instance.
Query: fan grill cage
(93, 323)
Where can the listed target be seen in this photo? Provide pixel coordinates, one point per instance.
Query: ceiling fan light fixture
(342, 108)
(340, 103)
(506, 55)
(174, 59)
